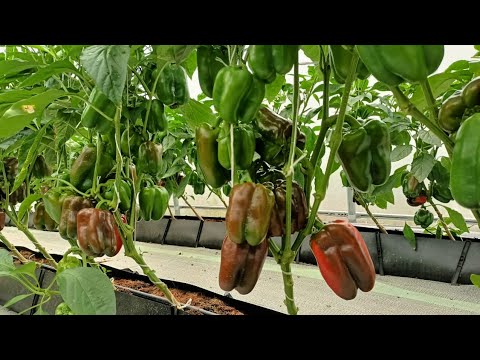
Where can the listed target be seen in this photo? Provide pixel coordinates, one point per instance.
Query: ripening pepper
(394, 64)
(130, 141)
(365, 155)
(172, 87)
(241, 265)
(207, 155)
(266, 61)
(124, 192)
(97, 233)
(244, 145)
(2, 220)
(465, 169)
(11, 168)
(340, 60)
(411, 187)
(153, 201)
(343, 259)
(92, 119)
(72, 204)
(82, 170)
(157, 121)
(208, 66)
(299, 212)
(237, 94)
(41, 219)
(40, 168)
(248, 214)
(149, 160)
(459, 106)
(423, 218)
(417, 200)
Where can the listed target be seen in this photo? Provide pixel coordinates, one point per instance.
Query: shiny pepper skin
(244, 145)
(343, 259)
(248, 214)
(97, 233)
(172, 87)
(208, 66)
(41, 219)
(423, 218)
(340, 59)
(266, 61)
(68, 221)
(92, 119)
(149, 160)
(153, 202)
(241, 265)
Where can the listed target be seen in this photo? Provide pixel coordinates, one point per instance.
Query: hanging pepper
(208, 66)
(72, 204)
(266, 61)
(92, 119)
(244, 145)
(172, 87)
(241, 265)
(394, 64)
(365, 155)
(299, 212)
(340, 60)
(442, 193)
(237, 94)
(40, 168)
(459, 106)
(248, 214)
(53, 202)
(130, 141)
(2, 220)
(153, 201)
(343, 259)
(124, 192)
(149, 160)
(41, 219)
(197, 184)
(81, 172)
(98, 234)
(207, 155)
(423, 218)
(157, 121)
(465, 169)
(18, 195)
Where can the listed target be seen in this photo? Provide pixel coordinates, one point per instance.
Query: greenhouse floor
(199, 266)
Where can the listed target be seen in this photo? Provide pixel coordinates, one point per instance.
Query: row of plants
(96, 138)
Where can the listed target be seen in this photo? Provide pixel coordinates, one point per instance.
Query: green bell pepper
(244, 145)
(172, 86)
(153, 202)
(423, 218)
(124, 192)
(92, 119)
(208, 66)
(149, 160)
(266, 61)
(340, 60)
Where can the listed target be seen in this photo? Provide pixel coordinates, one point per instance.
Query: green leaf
(272, 90)
(429, 137)
(16, 299)
(475, 67)
(42, 74)
(27, 269)
(393, 181)
(175, 53)
(183, 184)
(107, 65)
(6, 260)
(457, 219)
(439, 83)
(446, 162)
(475, 279)
(410, 236)
(196, 113)
(458, 65)
(65, 128)
(30, 160)
(11, 143)
(190, 64)
(12, 96)
(25, 206)
(400, 152)
(438, 232)
(381, 203)
(87, 291)
(312, 52)
(9, 67)
(422, 165)
(21, 113)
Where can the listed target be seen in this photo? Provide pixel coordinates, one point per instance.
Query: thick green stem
(12, 248)
(427, 92)
(410, 109)
(288, 288)
(20, 226)
(335, 142)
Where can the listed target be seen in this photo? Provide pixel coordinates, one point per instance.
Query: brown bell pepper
(343, 259)
(68, 221)
(241, 265)
(41, 219)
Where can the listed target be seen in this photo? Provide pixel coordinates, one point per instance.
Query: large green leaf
(87, 291)
(400, 152)
(6, 260)
(12, 96)
(46, 72)
(410, 236)
(9, 67)
(457, 219)
(311, 51)
(174, 53)
(15, 141)
(196, 113)
(429, 137)
(422, 165)
(272, 90)
(107, 65)
(25, 206)
(439, 83)
(21, 113)
(393, 181)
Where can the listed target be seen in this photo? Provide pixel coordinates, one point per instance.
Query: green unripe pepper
(92, 119)
(465, 170)
(157, 121)
(149, 160)
(197, 184)
(394, 64)
(266, 61)
(237, 94)
(442, 193)
(423, 218)
(130, 141)
(207, 155)
(340, 60)
(124, 192)
(153, 202)
(172, 86)
(244, 145)
(208, 66)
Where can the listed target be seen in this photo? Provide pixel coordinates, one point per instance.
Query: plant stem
(13, 249)
(427, 92)
(410, 109)
(219, 195)
(335, 142)
(192, 208)
(374, 219)
(442, 221)
(288, 288)
(30, 236)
